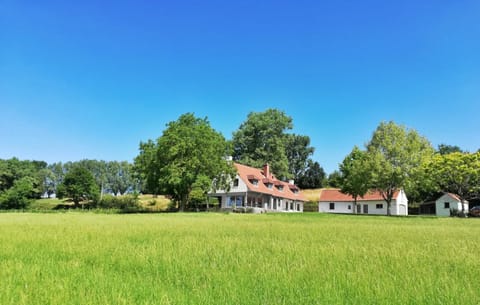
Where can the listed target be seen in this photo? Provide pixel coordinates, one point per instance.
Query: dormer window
(279, 186)
(293, 188)
(253, 179)
(268, 183)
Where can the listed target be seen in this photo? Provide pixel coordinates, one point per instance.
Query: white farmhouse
(334, 201)
(259, 188)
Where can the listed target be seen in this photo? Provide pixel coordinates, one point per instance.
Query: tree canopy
(189, 156)
(355, 174)
(79, 185)
(263, 138)
(313, 176)
(456, 172)
(396, 155)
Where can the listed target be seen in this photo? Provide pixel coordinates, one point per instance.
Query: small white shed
(449, 202)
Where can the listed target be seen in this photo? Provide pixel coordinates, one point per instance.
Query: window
(379, 206)
(235, 201)
(235, 182)
(349, 207)
(255, 182)
(280, 187)
(332, 205)
(447, 205)
(270, 185)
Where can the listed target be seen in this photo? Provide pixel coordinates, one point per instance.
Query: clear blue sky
(91, 79)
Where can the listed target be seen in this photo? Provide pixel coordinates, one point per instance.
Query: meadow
(215, 258)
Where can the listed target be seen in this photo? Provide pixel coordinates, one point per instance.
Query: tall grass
(78, 258)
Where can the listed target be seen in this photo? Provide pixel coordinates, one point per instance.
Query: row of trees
(397, 157)
(23, 181)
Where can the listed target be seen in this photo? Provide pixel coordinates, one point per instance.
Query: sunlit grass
(209, 258)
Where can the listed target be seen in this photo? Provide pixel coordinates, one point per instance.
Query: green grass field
(87, 258)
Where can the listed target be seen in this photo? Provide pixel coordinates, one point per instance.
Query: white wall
(454, 204)
(340, 207)
(241, 188)
(400, 204)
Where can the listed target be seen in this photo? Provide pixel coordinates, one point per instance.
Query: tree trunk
(354, 204)
(389, 202)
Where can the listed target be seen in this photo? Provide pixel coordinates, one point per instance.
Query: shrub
(124, 203)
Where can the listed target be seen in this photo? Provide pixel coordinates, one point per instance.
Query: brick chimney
(266, 170)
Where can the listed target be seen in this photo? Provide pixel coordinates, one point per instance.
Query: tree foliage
(396, 155)
(457, 172)
(445, 149)
(298, 152)
(261, 139)
(355, 176)
(313, 177)
(20, 181)
(188, 156)
(334, 179)
(20, 195)
(79, 185)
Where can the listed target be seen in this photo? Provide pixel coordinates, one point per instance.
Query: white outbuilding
(334, 201)
(448, 203)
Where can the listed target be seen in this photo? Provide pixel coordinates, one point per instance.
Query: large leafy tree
(79, 184)
(355, 175)
(146, 168)
(262, 139)
(396, 155)
(457, 172)
(298, 152)
(190, 155)
(119, 176)
(313, 177)
(20, 182)
(20, 195)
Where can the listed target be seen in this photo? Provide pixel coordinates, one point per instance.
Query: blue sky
(91, 79)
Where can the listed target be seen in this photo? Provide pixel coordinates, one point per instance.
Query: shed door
(365, 209)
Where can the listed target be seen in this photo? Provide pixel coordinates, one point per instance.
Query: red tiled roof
(246, 173)
(335, 195)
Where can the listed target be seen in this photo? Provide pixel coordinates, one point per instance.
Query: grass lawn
(213, 258)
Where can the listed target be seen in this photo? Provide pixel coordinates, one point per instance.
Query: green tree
(445, 149)
(190, 155)
(334, 179)
(395, 155)
(146, 168)
(79, 184)
(313, 177)
(119, 176)
(261, 139)
(20, 195)
(457, 172)
(355, 175)
(298, 152)
(13, 169)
